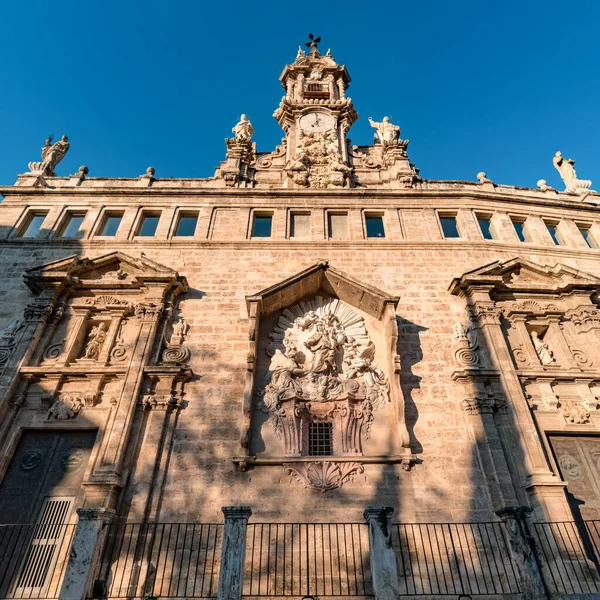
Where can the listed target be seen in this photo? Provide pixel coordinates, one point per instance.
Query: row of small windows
(299, 226)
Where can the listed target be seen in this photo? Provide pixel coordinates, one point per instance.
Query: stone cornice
(459, 190)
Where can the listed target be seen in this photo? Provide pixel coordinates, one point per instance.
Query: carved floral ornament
(322, 370)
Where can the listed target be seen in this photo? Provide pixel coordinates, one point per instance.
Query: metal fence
(570, 556)
(167, 560)
(306, 559)
(453, 558)
(33, 559)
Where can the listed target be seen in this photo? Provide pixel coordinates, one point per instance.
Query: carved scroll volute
(391, 338)
(253, 333)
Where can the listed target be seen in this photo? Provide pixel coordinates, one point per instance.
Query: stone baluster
(232, 552)
(383, 558)
(86, 549)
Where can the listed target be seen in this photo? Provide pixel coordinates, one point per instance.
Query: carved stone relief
(322, 369)
(65, 407)
(176, 352)
(575, 412)
(323, 476)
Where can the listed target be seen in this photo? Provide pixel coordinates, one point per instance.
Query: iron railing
(307, 559)
(33, 559)
(167, 560)
(453, 558)
(570, 556)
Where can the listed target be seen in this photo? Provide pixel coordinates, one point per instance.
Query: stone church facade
(313, 331)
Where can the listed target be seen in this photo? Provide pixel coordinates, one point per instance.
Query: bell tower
(316, 115)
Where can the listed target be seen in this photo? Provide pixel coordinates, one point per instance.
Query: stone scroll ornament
(321, 354)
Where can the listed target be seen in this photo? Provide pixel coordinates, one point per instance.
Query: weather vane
(313, 41)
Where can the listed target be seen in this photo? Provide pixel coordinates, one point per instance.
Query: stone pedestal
(383, 559)
(85, 552)
(232, 552)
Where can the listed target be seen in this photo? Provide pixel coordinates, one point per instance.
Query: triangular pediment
(519, 274)
(115, 269)
(322, 277)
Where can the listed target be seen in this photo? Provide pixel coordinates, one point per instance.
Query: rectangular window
(485, 227)
(186, 226)
(33, 225)
(552, 232)
(319, 439)
(300, 225)
(71, 226)
(587, 236)
(519, 229)
(449, 227)
(148, 225)
(374, 226)
(261, 226)
(337, 225)
(110, 225)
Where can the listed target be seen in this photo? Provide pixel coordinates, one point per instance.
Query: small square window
(34, 224)
(337, 225)
(72, 225)
(374, 226)
(587, 236)
(186, 226)
(261, 226)
(111, 225)
(519, 229)
(148, 225)
(300, 225)
(319, 439)
(485, 225)
(553, 234)
(449, 227)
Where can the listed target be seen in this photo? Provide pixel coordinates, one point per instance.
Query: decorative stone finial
(482, 178)
(565, 168)
(243, 130)
(300, 52)
(150, 171)
(83, 170)
(544, 187)
(52, 154)
(387, 134)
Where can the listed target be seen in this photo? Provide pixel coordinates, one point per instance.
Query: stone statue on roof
(387, 133)
(566, 170)
(243, 130)
(52, 154)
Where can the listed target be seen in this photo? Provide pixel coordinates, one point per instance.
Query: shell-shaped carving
(353, 323)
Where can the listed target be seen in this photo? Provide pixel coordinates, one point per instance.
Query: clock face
(316, 121)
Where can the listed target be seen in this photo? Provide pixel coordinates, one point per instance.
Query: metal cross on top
(313, 42)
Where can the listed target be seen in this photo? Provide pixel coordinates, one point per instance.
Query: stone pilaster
(85, 552)
(232, 552)
(383, 559)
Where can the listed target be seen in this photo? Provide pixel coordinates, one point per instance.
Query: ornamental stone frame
(53, 381)
(537, 364)
(323, 368)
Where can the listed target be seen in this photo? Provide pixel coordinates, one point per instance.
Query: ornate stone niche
(541, 329)
(322, 351)
(93, 337)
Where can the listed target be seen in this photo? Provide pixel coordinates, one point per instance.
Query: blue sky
(492, 86)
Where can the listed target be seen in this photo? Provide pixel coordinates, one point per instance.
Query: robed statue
(52, 154)
(387, 133)
(243, 130)
(566, 170)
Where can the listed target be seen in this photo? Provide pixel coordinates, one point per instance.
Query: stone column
(85, 552)
(523, 548)
(383, 559)
(232, 552)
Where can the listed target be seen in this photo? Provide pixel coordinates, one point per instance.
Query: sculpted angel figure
(52, 154)
(96, 341)
(544, 353)
(386, 132)
(566, 170)
(243, 130)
